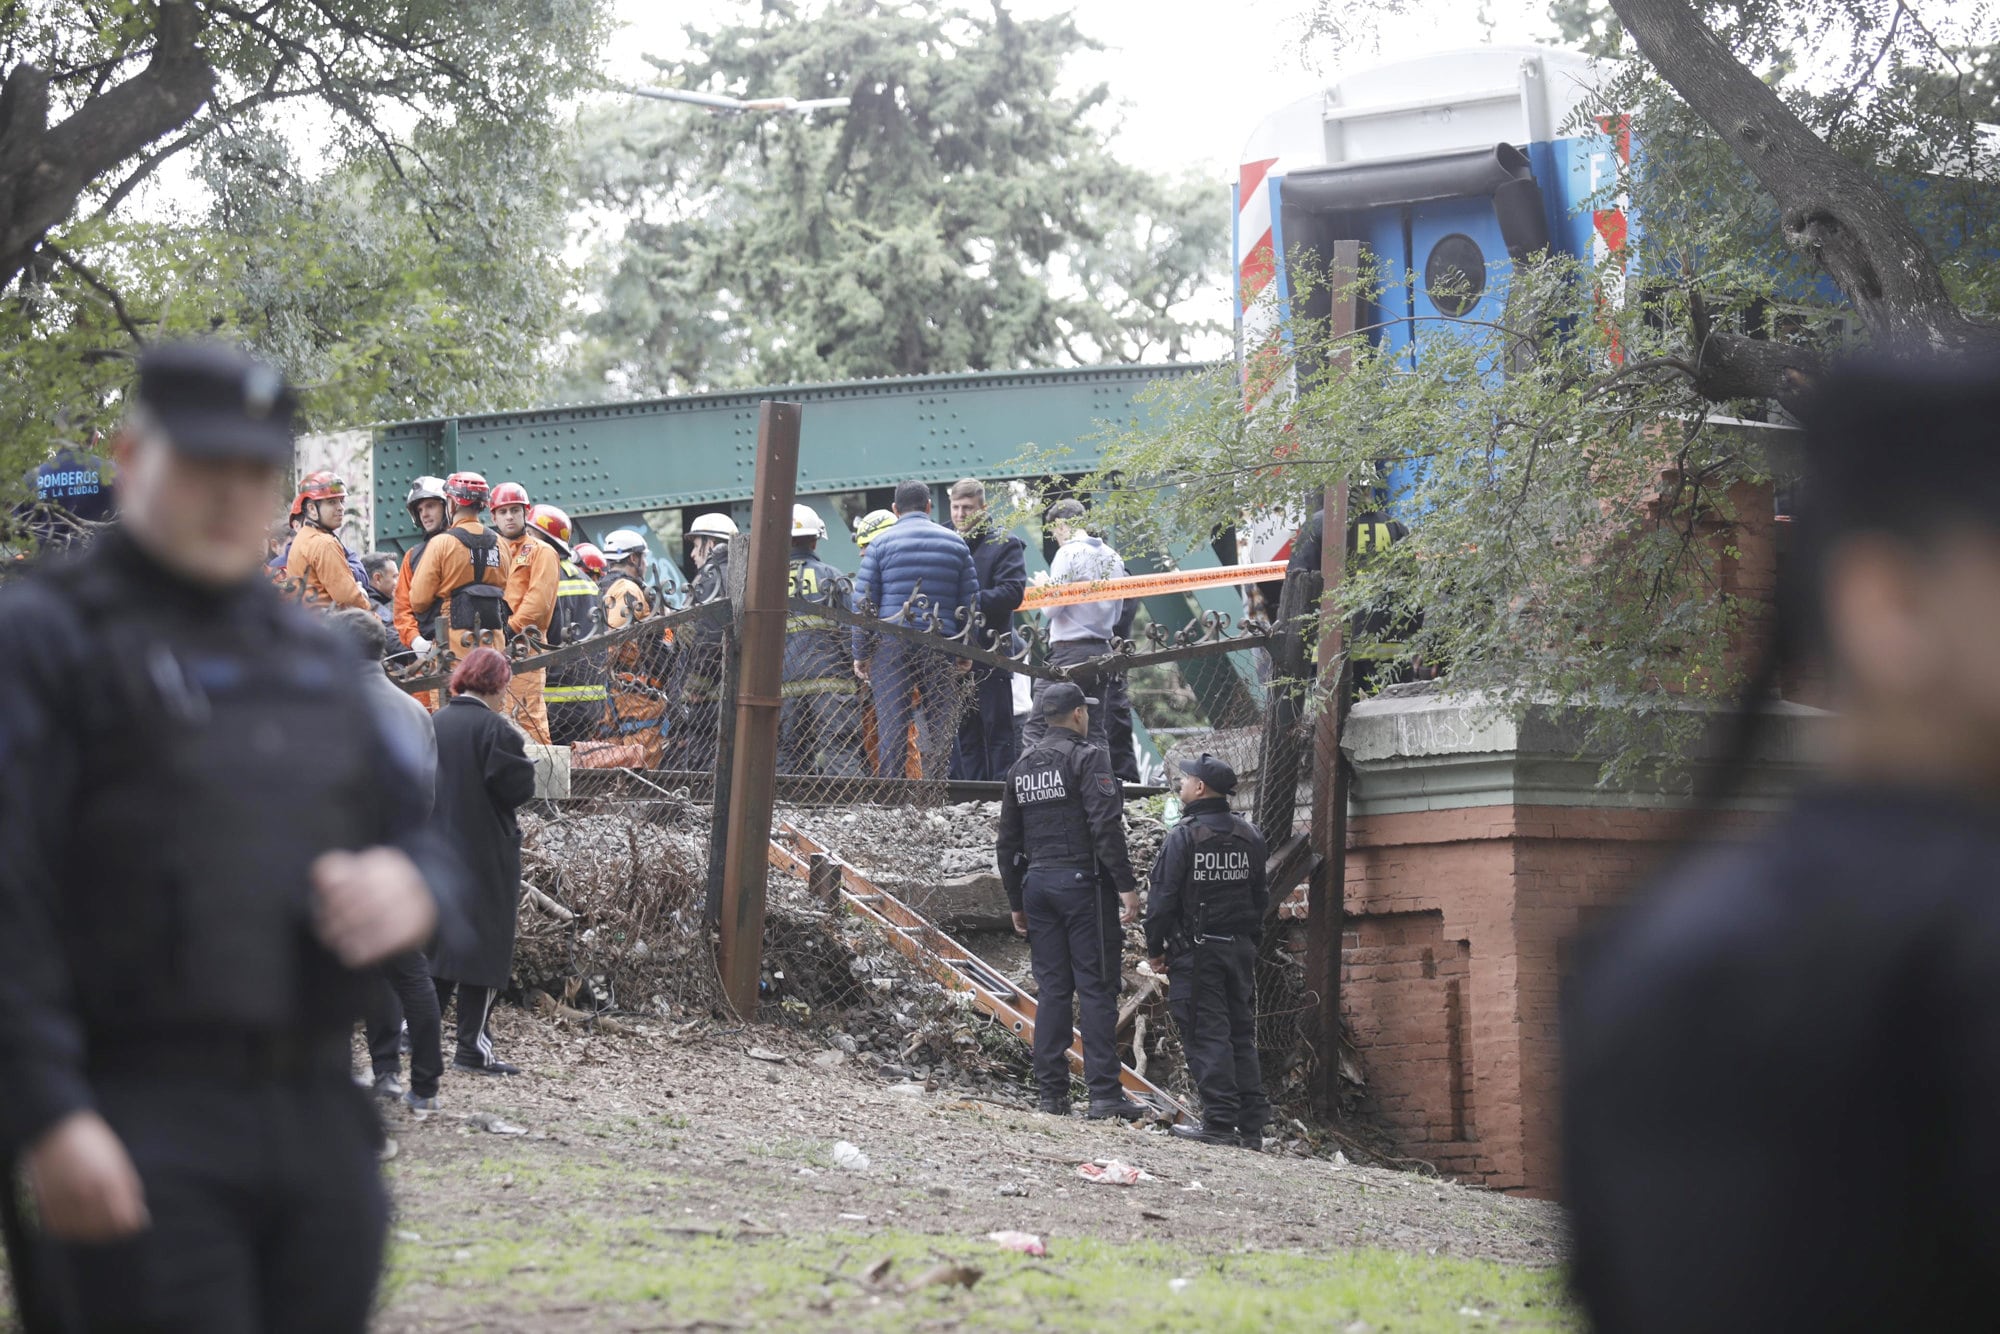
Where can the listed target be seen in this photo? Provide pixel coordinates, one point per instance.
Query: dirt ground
(686, 1129)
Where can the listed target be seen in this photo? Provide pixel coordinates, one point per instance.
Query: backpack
(479, 605)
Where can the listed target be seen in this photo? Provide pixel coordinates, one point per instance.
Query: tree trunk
(1831, 208)
(44, 168)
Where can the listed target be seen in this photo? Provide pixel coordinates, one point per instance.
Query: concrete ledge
(551, 770)
(1432, 751)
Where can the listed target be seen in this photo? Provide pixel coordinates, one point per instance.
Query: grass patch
(811, 1282)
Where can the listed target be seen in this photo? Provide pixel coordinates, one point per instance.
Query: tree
(366, 190)
(1570, 495)
(962, 214)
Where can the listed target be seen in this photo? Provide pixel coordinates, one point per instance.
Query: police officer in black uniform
(1061, 828)
(207, 833)
(1204, 917)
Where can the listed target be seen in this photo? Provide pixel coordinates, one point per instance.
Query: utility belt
(223, 1057)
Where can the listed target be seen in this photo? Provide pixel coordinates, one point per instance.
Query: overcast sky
(1195, 75)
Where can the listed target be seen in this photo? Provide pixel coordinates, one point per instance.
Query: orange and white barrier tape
(1146, 585)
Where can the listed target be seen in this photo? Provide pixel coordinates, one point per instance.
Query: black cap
(1219, 776)
(215, 401)
(1063, 697)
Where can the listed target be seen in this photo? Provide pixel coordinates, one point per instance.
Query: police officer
(1204, 916)
(1061, 826)
(207, 833)
(819, 731)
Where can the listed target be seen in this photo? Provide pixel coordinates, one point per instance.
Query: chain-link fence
(871, 712)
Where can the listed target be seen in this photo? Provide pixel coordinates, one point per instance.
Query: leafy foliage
(962, 214)
(370, 194)
(1570, 494)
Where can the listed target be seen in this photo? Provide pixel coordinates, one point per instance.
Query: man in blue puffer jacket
(915, 556)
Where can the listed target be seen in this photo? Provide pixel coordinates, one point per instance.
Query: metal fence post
(759, 687)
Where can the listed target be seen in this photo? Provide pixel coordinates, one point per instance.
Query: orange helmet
(547, 518)
(508, 493)
(298, 505)
(590, 558)
(467, 490)
(321, 485)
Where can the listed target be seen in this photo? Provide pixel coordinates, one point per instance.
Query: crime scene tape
(1146, 585)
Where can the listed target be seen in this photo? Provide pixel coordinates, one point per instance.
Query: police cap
(1063, 697)
(1219, 776)
(215, 401)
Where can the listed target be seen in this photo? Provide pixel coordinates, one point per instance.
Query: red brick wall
(1451, 967)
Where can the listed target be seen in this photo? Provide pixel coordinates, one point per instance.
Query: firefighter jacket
(533, 572)
(173, 759)
(816, 661)
(447, 570)
(409, 626)
(1209, 879)
(1063, 807)
(698, 666)
(579, 606)
(318, 560)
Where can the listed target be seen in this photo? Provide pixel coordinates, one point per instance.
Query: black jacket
(173, 760)
(1210, 874)
(1001, 562)
(1782, 1080)
(484, 775)
(1063, 807)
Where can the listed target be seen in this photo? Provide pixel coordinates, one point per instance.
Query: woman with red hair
(483, 777)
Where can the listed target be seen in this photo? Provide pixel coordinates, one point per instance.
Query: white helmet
(425, 488)
(806, 522)
(718, 526)
(624, 544)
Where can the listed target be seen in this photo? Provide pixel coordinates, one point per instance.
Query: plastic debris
(760, 1054)
(1177, 1285)
(1339, 1160)
(493, 1125)
(1027, 1243)
(849, 1156)
(1110, 1172)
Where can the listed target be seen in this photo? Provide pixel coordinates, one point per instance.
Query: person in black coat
(987, 745)
(484, 775)
(1781, 1064)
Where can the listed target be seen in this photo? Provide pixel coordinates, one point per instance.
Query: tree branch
(43, 168)
(104, 289)
(1833, 209)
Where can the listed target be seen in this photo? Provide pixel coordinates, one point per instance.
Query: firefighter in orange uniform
(428, 508)
(318, 559)
(461, 576)
(638, 668)
(533, 572)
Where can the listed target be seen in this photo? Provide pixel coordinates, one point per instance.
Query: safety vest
(579, 608)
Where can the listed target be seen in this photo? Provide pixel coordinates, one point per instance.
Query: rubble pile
(633, 881)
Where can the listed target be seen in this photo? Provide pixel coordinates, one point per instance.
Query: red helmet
(467, 490)
(509, 493)
(321, 485)
(298, 505)
(590, 558)
(549, 519)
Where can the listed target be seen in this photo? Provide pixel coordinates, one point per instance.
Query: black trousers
(401, 991)
(1074, 948)
(475, 1007)
(268, 1215)
(1118, 726)
(1067, 654)
(986, 745)
(1212, 994)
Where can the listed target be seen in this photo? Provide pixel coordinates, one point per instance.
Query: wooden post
(1326, 895)
(759, 686)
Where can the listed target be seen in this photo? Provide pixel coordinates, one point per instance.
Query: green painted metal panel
(701, 449)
